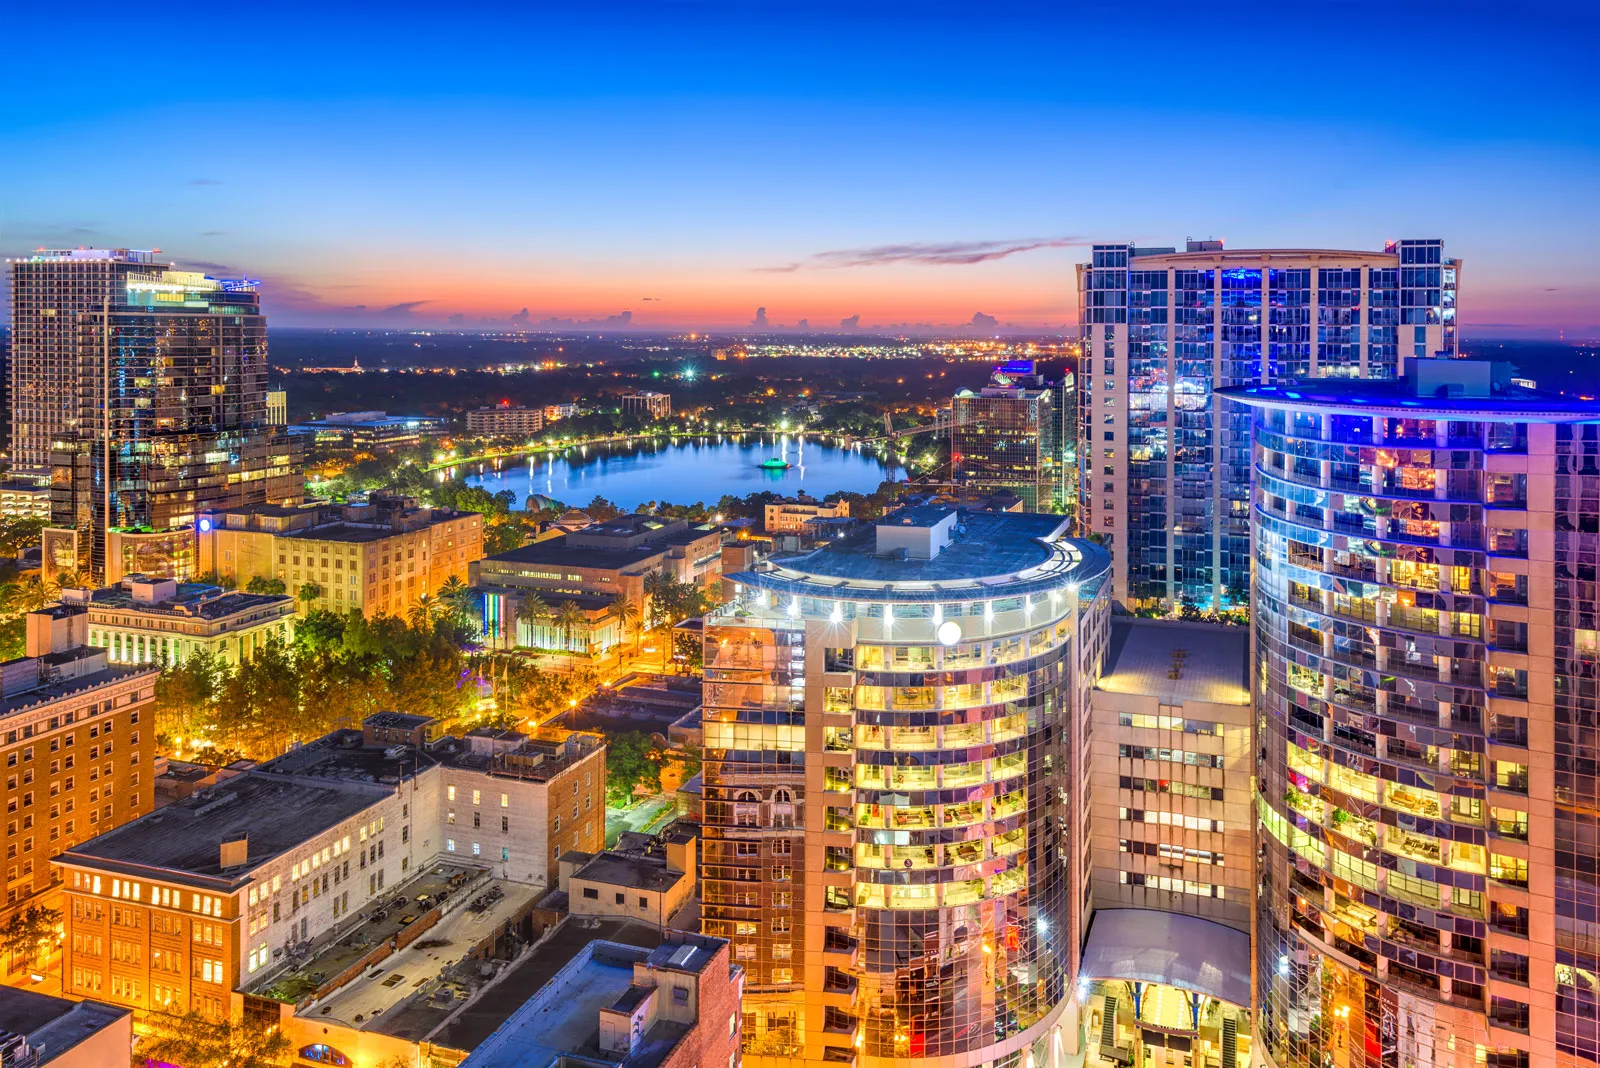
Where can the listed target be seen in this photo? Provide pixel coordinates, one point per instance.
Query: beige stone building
(378, 557)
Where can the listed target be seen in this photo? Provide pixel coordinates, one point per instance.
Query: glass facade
(170, 418)
(1163, 464)
(889, 778)
(1426, 611)
(1008, 437)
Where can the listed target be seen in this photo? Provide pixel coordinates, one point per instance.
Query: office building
(155, 406)
(1007, 437)
(647, 403)
(378, 557)
(77, 735)
(1166, 963)
(278, 407)
(1163, 459)
(789, 515)
(348, 435)
(252, 886)
(159, 621)
(505, 421)
(49, 290)
(895, 730)
(592, 568)
(1425, 627)
(620, 1006)
(41, 1031)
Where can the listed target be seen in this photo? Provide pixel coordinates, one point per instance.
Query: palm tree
(567, 619)
(424, 611)
(458, 596)
(626, 611)
(532, 610)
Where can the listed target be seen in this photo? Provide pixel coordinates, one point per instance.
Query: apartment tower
(1426, 626)
(1163, 460)
(148, 408)
(894, 739)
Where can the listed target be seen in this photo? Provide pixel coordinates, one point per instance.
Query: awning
(1148, 946)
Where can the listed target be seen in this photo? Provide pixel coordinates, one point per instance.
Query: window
(591, 893)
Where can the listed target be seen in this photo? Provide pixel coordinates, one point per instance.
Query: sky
(678, 165)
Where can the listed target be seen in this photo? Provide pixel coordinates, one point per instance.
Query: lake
(683, 472)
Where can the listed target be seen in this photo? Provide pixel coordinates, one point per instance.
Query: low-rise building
(676, 1006)
(593, 567)
(649, 881)
(648, 403)
(555, 412)
(227, 891)
(505, 421)
(378, 557)
(348, 434)
(41, 1031)
(77, 735)
(789, 515)
(143, 620)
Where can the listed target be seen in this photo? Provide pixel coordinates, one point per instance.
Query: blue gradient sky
(822, 160)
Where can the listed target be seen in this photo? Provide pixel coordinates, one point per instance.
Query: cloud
(656, 299)
(983, 322)
(212, 233)
(850, 323)
(760, 321)
(205, 181)
(522, 317)
(619, 320)
(403, 309)
(930, 254)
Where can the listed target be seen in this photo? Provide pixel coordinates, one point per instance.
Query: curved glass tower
(898, 714)
(1425, 626)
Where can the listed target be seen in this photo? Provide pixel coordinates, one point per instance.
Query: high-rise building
(150, 408)
(1163, 460)
(49, 289)
(1426, 623)
(894, 819)
(1007, 436)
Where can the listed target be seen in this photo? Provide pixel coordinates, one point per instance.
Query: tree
(27, 932)
(186, 695)
(626, 611)
(601, 509)
(532, 610)
(460, 599)
(264, 585)
(425, 611)
(567, 619)
(194, 1040)
(18, 534)
(632, 760)
(309, 591)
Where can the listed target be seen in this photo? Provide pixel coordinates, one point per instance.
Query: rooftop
(998, 552)
(633, 543)
(632, 870)
(192, 600)
(67, 683)
(185, 837)
(1452, 387)
(53, 1024)
(1178, 662)
(563, 1018)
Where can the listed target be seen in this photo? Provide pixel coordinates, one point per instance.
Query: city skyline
(679, 168)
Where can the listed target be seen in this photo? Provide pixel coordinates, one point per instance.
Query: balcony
(842, 985)
(838, 948)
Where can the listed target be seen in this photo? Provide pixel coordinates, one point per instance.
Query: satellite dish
(949, 632)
